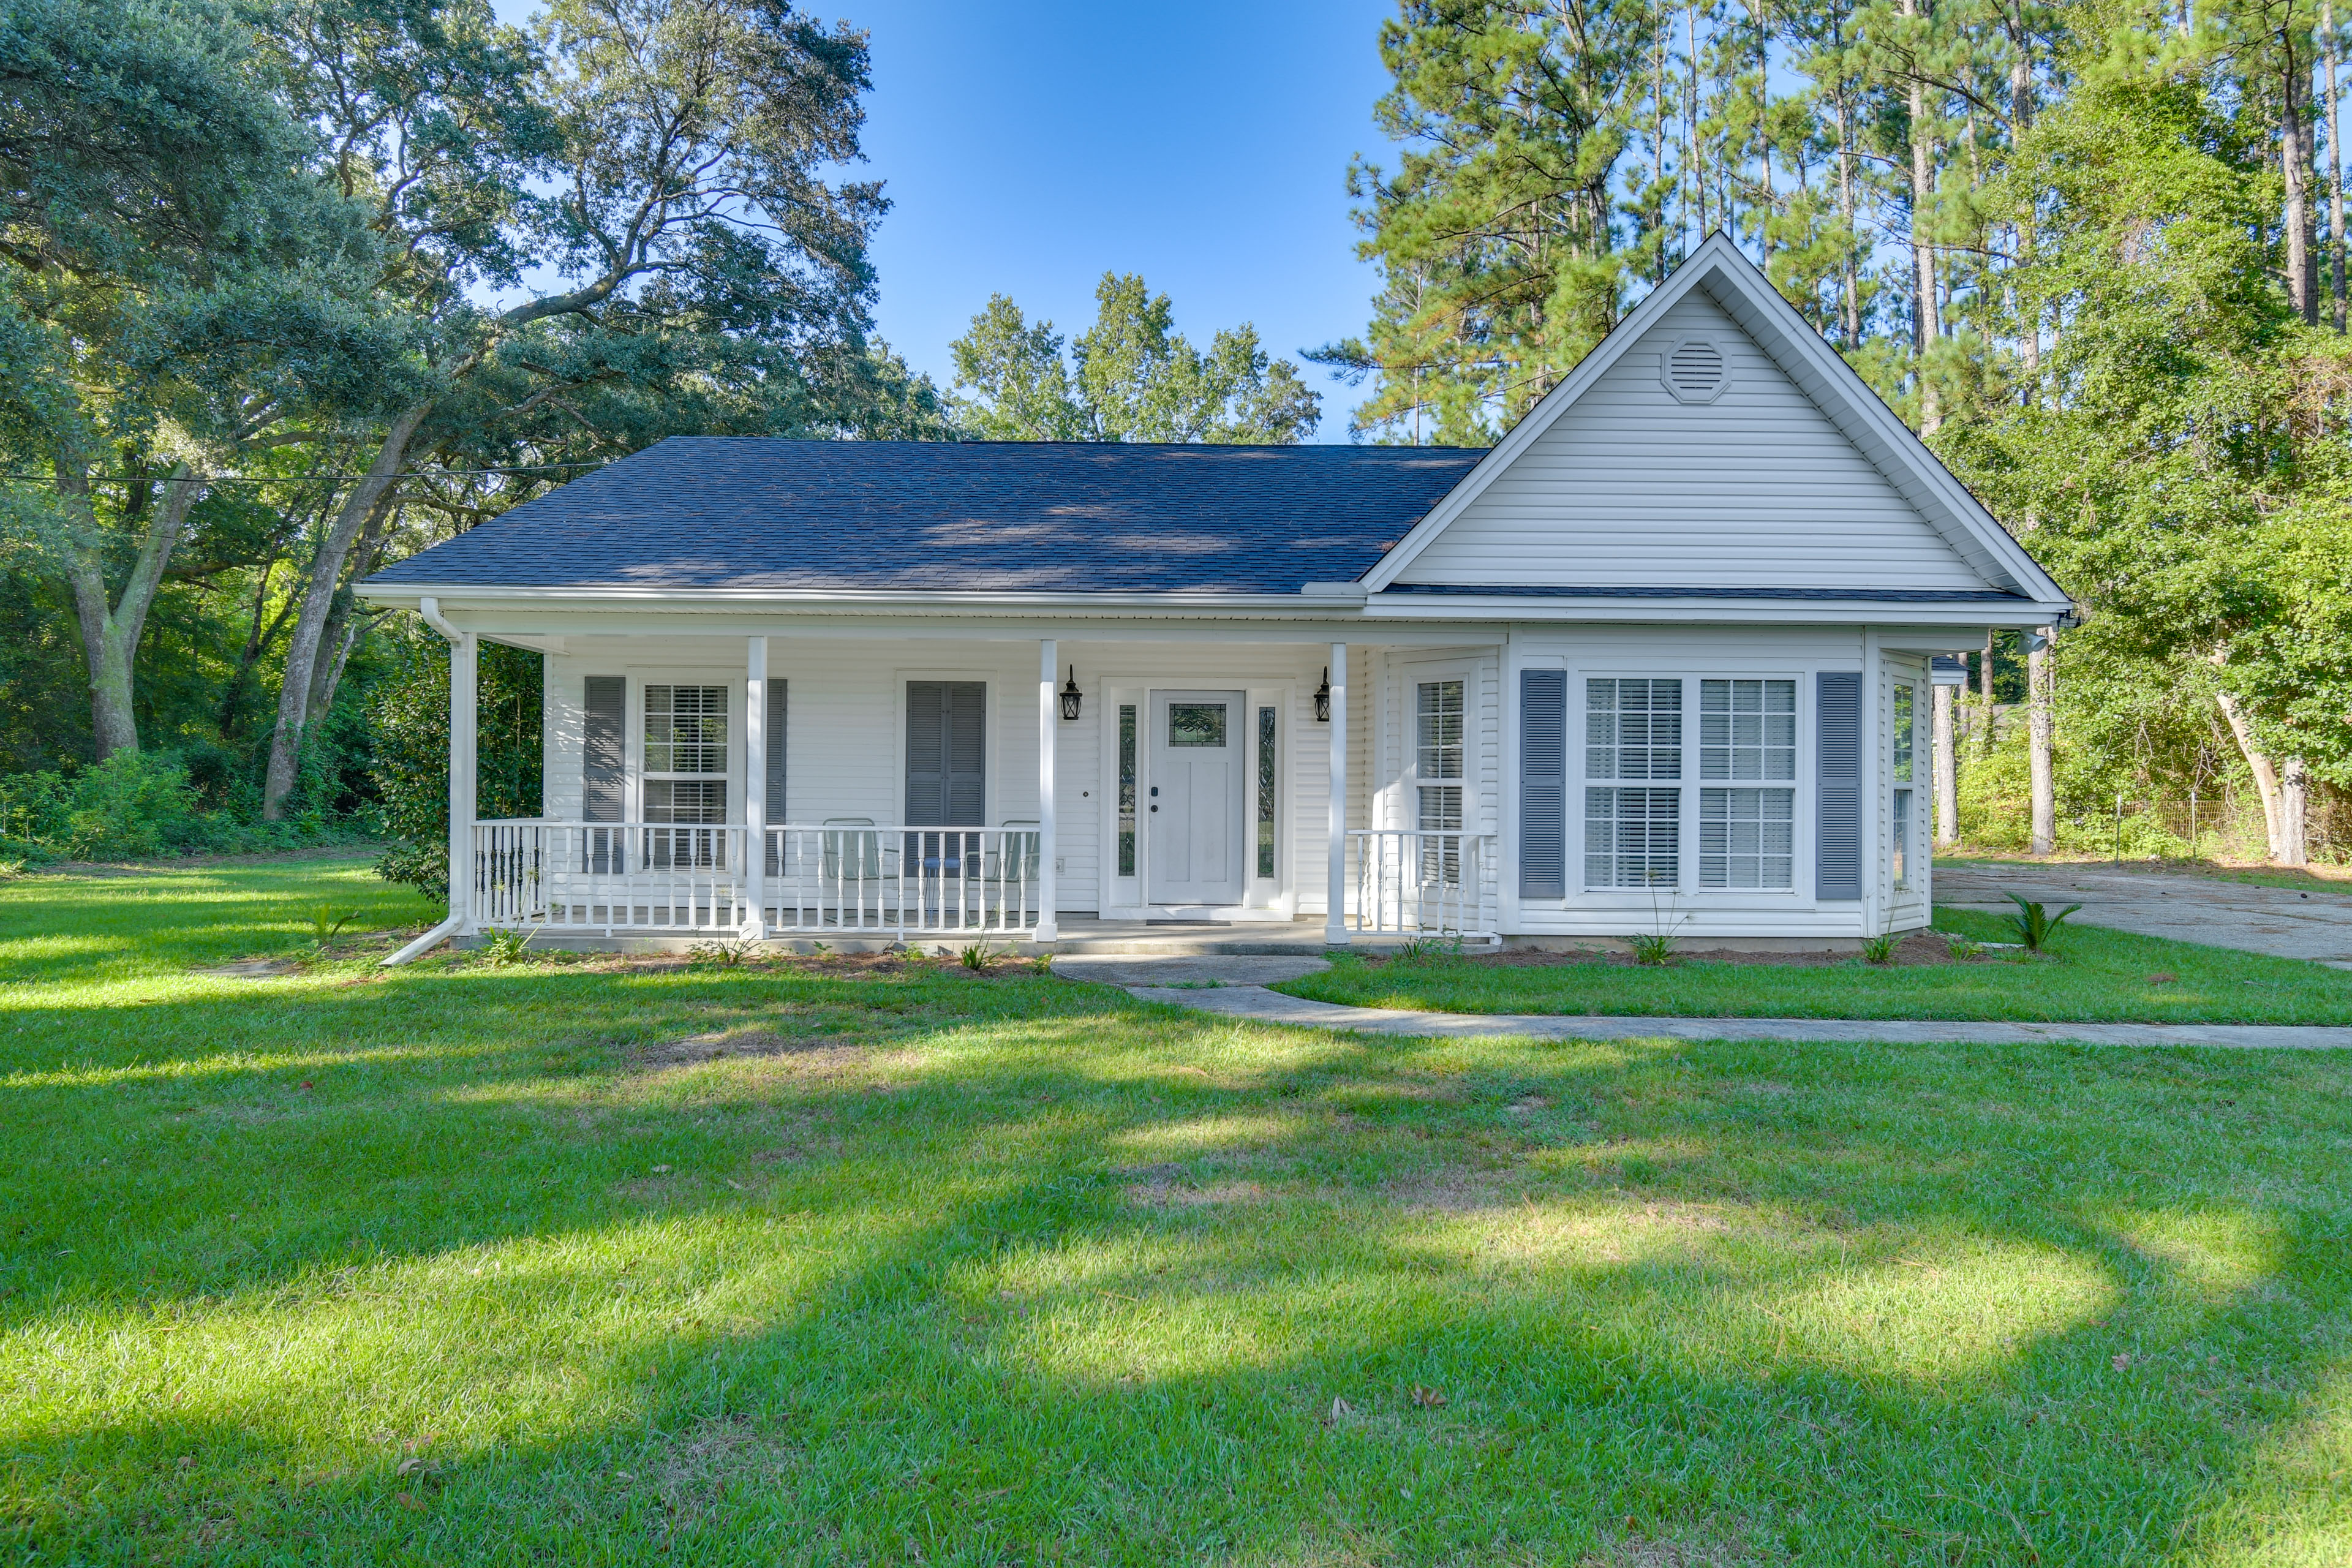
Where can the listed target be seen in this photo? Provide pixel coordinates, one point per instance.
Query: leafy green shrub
(2036, 925)
(411, 713)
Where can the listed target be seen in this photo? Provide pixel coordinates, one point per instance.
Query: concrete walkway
(1235, 987)
(2284, 922)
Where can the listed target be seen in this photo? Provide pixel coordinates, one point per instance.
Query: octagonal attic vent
(1693, 370)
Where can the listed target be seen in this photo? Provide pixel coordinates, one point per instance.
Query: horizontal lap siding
(846, 711)
(1632, 488)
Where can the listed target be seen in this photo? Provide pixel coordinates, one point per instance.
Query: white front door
(1193, 797)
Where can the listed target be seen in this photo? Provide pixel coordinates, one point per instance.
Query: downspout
(429, 609)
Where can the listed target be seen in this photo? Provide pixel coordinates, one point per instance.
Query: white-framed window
(1632, 769)
(1904, 727)
(684, 775)
(1747, 739)
(1439, 739)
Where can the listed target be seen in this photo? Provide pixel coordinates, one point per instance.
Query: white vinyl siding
(1631, 488)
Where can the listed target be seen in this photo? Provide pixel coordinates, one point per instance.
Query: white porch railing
(1410, 881)
(841, 878)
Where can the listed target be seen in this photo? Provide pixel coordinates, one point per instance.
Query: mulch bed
(1918, 948)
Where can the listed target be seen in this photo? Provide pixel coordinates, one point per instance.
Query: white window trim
(639, 677)
(1799, 893)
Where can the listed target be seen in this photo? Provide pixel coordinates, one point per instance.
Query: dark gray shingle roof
(1007, 517)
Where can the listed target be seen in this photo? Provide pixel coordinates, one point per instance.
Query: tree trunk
(1947, 765)
(2335, 167)
(302, 651)
(2294, 799)
(2266, 776)
(2294, 161)
(111, 628)
(2040, 722)
(346, 624)
(1923, 256)
(1986, 737)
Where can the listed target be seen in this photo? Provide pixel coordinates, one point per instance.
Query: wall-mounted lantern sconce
(1323, 698)
(1071, 697)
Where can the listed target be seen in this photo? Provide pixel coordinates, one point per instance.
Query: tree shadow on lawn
(965, 1288)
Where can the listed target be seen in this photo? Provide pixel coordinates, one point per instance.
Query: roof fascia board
(1784, 612)
(533, 625)
(404, 596)
(1538, 420)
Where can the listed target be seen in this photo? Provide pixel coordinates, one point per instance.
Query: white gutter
(426, 943)
(430, 608)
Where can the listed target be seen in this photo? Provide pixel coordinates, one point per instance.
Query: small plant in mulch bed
(1655, 949)
(1962, 949)
(502, 948)
(978, 958)
(2036, 925)
(1880, 949)
(726, 953)
(1421, 949)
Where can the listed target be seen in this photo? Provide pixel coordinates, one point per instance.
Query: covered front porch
(828, 783)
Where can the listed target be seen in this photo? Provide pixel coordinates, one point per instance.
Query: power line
(300, 478)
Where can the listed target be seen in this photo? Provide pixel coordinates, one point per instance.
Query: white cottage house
(1659, 659)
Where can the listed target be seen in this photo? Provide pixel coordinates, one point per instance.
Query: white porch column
(1335, 923)
(463, 738)
(755, 786)
(1049, 653)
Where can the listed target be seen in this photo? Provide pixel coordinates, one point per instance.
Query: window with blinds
(1632, 820)
(685, 776)
(686, 753)
(1903, 722)
(1748, 735)
(1438, 753)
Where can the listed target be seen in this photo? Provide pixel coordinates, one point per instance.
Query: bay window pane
(1746, 839)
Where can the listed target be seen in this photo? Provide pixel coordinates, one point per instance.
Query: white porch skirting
(838, 878)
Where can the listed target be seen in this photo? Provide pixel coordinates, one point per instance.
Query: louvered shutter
(1543, 784)
(1837, 779)
(603, 773)
(772, 732)
(946, 751)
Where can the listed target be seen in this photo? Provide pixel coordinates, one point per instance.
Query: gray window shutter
(946, 752)
(604, 776)
(774, 732)
(604, 790)
(1543, 784)
(1837, 779)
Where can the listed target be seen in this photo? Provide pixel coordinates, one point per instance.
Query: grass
(2089, 975)
(442, 1267)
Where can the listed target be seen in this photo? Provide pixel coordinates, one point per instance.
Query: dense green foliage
(411, 726)
(475, 1264)
(2086, 247)
(247, 352)
(1130, 377)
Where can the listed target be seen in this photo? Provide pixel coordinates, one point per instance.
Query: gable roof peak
(1740, 289)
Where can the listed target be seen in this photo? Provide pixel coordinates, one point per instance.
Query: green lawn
(2090, 975)
(435, 1267)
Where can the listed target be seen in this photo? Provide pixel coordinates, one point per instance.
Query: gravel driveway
(2281, 921)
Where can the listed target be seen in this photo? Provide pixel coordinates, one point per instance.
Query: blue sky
(1027, 145)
